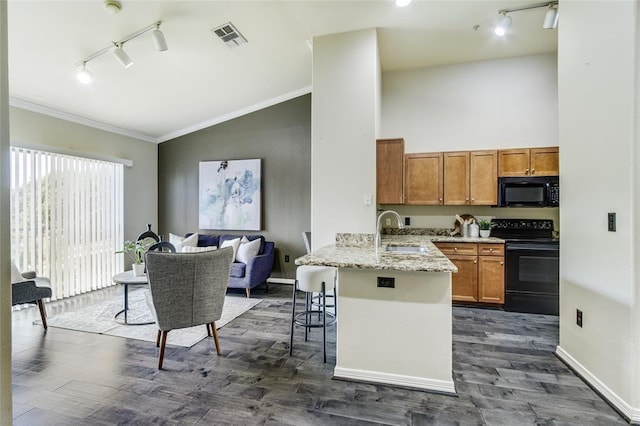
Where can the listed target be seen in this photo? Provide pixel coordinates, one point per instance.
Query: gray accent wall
(279, 135)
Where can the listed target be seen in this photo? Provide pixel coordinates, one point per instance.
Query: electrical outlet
(286, 258)
(386, 282)
(611, 222)
(579, 317)
(407, 221)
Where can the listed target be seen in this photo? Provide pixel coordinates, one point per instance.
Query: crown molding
(235, 114)
(40, 109)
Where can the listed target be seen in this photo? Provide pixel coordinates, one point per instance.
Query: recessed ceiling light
(402, 3)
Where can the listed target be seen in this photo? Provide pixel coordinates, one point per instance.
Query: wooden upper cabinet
(513, 162)
(529, 162)
(545, 161)
(423, 179)
(390, 171)
(456, 178)
(471, 178)
(483, 178)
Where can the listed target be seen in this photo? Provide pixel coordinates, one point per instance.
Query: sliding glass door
(66, 219)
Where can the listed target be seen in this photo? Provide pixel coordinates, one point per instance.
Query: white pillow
(178, 241)
(191, 249)
(235, 243)
(16, 276)
(247, 250)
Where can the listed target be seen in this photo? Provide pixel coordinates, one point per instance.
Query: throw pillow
(235, 243)
(191, 249)
(247, 250)
(16, 276)
(179, 242)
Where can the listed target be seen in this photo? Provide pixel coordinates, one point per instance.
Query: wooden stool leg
(43, 314)
(209, 333)
(248, 291)
(162, 346)
(158, 339)
(215, 336)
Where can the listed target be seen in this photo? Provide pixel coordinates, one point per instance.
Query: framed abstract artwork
(230, 195)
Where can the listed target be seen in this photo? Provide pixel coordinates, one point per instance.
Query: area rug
(99, 318)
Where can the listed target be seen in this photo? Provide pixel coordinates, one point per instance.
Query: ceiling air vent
(230, 35)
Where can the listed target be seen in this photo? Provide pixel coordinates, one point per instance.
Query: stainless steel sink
(406, 249)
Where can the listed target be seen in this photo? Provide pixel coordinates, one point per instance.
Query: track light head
(121, 56)
(551, 18)
(158, 39)
(84, 75)
(503, 25)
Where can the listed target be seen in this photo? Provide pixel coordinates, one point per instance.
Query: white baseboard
(440, 386)
(632, 414)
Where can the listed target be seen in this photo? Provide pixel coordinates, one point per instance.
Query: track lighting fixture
(121, 56)
(550, 19)
(503, 26)
(84, 75)
(160, 43)
(158, 39)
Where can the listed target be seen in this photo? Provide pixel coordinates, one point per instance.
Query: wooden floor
(504, 371)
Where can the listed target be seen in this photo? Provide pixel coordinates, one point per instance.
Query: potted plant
(485, 228)
(136, 250)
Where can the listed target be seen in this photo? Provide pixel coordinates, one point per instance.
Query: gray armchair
(28, 288)
(187, 289)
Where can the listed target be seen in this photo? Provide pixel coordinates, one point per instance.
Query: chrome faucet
(378, 225)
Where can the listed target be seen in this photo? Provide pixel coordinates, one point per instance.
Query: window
(66, 219)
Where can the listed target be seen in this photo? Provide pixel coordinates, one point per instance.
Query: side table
(127, 278)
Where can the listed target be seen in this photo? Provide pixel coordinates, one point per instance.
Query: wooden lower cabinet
(464, 284)
(480, 276)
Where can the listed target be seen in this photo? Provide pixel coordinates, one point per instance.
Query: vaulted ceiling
(199, 81)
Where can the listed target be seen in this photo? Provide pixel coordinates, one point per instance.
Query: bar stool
(313, 279)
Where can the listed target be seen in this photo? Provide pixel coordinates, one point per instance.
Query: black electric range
(532, 264)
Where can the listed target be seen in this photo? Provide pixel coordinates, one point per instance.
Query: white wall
(343, 134)
(599, 161)
(140, 181)
(506, 103)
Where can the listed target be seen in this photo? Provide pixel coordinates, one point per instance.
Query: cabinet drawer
(468, 249)
(491, 249)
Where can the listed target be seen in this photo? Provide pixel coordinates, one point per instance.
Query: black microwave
(529, 191)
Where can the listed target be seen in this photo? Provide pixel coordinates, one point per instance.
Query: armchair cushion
(16, 276)
(247, 250)
(238, 270)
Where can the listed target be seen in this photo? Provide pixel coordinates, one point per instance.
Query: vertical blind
(66, 219)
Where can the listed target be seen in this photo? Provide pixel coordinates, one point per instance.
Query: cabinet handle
(440, 199)
(502, 263)
(490, 250)
(526, 171)
(466, 199)
(455, 249)
(473, 199)
(475, 262)
(533, 171)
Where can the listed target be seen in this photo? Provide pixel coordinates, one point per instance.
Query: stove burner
(522, 229)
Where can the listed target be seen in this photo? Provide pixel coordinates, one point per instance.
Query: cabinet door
(390, 171)
(545, 161)
(483, 178)
(513, 162)
(491, 279)
(456, 178)
(464, 284)
(423, 179)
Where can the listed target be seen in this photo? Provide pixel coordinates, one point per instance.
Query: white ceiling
(199, 81)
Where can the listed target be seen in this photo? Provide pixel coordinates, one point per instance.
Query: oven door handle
(532, 246)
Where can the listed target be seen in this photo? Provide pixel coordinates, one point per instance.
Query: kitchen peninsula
(394, 311)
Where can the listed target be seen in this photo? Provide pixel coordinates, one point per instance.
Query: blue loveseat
(255, 271)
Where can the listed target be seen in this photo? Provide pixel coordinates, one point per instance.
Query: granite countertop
(358, 251)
